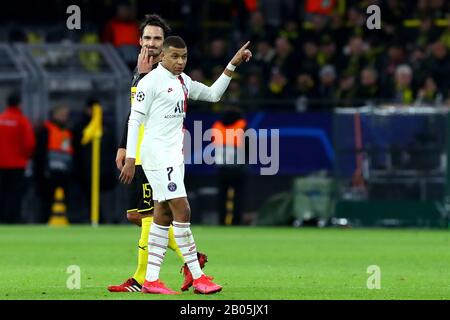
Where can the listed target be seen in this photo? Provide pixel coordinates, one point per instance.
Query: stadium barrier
(400, 153)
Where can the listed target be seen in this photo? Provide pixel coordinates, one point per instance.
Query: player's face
(174, 59)
(152, 38)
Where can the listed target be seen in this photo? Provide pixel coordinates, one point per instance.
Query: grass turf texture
(251, 263)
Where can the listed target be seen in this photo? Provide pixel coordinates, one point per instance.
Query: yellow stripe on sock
(141, 270)
(173, 244)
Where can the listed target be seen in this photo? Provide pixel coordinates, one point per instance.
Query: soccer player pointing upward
(160, 103)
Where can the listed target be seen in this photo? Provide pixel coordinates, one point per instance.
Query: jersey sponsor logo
(140, 96)
(172, 186)
(179, 107)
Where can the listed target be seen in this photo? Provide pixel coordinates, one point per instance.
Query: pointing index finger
(245, 45)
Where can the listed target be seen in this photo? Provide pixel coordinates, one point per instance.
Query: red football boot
(130, 285)
(188, 280)
(205, 286)
(157, 287)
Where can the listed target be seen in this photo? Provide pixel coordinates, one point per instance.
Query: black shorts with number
(140, 196)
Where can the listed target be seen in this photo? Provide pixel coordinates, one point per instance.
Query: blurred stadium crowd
(305, 57)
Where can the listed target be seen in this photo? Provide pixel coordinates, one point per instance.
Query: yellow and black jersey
(123, 142)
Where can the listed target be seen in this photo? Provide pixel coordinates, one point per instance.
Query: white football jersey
(161, 98)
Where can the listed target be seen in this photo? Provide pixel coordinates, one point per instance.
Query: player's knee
(184, 213)
(134, 217)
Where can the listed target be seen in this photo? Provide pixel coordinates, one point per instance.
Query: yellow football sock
(141, 270)
(173, 244)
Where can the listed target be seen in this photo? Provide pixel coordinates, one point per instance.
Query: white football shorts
(167, 183)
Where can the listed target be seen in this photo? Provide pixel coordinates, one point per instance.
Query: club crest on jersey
(172, 186)
(169, 90)
(140, 96)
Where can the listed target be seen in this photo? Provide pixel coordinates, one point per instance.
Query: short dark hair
(156, 21)
(174, 41)
(13, 99)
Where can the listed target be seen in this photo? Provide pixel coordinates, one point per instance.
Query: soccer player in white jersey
(160, 103)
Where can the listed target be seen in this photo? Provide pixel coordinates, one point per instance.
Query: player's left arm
(139, 109)
(214, 93)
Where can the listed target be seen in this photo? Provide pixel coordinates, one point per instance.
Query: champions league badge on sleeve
(140, 96)
(172, 187)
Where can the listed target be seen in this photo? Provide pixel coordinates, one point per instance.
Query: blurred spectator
(422, 10)
(217, 56)
(439, 8)
(254, 91)
(277, 89)
(17, 141)
(277, 11)
(429, 94)
(328, 53)
(393, 12)
(122, 32)
(197, 74)
(264, 56)
(318, 29)
(284, 58)
(242, 11)
(327, 88)
(438, 65)
(304, 93)
(338, 31)
(230, 161)
(368, 91)
(290, 31)
(356, 22)
(346, 92)
(355, 54)
(257, 29)
(53, 160)
(308, 62)
(403, 92)
(233, 93)
(388, 64)
(417, 61)
(426, 33)
(445, 36)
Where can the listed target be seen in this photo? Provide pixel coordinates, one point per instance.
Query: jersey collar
(167, 72)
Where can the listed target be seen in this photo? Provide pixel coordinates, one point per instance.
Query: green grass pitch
(251, 263)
